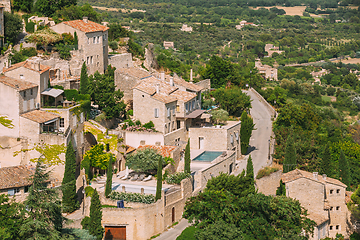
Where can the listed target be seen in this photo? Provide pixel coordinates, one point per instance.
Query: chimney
(324, 176)
(171, 81)
(315, 175)
(38, 66)
(162, 76)
(157, 88)
(85, 19)
(191, 75)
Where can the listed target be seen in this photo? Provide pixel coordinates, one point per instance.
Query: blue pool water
(207, 156)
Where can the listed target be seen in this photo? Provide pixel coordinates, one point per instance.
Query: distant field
(350, 60)
(326, 98)
(292, 11)
(117, 9)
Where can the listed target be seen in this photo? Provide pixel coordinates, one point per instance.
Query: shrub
(149, 125)
(176, 178)
(58, 87)
(85, 223)
(132, 197)
(89, 191)
(266, 172)
(130, 112)
(71, 94)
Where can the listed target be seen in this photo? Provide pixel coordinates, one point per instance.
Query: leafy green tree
(12, 27)
(250, 169)
(326, 167)
(6, 122)
(48, 8)
(104, 94)
(135, 49)
(109, 174)
(281, 191)
(219, 116)
(187, 158)
(290, 155)
(95, 227)
(23, 5)
(116, 31)
(69, 200)
(84, 80)
(159, 180)
(78, 12)
(219, 71)
(96, 157)
(144, 160)
(344, 171)
(233, 100)
(247, 126)
(11, 218)
(113, 45)
(44, 219)
(219, 230)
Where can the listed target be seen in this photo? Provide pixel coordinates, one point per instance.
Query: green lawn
(326, 98)
(187, 234)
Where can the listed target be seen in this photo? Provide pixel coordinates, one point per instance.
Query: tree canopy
(145, 160)
(12, 27)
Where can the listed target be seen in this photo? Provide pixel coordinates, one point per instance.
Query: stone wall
(169, 139)
(135, 139)
(268, 185)
(6, 4)
(121, 60)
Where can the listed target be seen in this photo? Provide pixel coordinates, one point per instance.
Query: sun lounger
(142, 176)
(135, 177)
(148, 178)
(126, 177)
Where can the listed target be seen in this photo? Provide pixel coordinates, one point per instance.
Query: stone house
(324, 199)
(92, 42)
(6, 4)
(266, 71)
(168, 45)
(186, 28)
(15, 181)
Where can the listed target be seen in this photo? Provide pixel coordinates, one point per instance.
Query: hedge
(132, 197)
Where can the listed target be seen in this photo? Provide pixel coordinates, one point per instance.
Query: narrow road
(173, 233)
(259, 141)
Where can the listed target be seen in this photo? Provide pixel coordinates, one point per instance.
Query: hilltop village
(102, 138)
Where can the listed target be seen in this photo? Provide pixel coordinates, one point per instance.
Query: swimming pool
(207, 156)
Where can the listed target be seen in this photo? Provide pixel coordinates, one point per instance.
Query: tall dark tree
(325, 164)
(247, 126)
(11, 218)
(44, 219)
(69, 200)
(109, 174)
(344, 171)
(76, 42)
(219, 71)
(159, 180)
(84, 80)
(187, 158)
(12, 27)
(250, 169)
(290, 155)
(95, 227)
(23, 5)
(281, 191)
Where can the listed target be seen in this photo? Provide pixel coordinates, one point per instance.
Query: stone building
(324, 199)
(186, 28)
(168, 45)
(92, 42)
(266, 71)
(6, 4)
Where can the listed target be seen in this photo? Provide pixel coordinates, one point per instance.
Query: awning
(52, 92)
(195, 113)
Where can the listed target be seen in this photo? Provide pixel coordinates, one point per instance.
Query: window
(21, 76)
(331, 208)
(231, 139)
(177, 108)
(91, 60)
(25, 94)
(174, 110)
(61, 122)
(173, 125)
(87, 60)
(31, 92)
(237, 136)
(98, 41)
(337, 227)
(337, 208)
(156, 112)
(331, 191)
(337, 190)
(168, 112)
(193, 104)
(88, 40)
(187, 107)
(13, 191)
(94, 39)
(331, 227)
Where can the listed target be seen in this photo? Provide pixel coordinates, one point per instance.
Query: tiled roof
(165, 151)
(28, 65)
(16, 176)
(297, 173)
(183, 95)
(149, 84)
(319, 219)
(39, 116)
(164, 98)
(187, 85)
(135, 72)
(88, 26)
(19, 85)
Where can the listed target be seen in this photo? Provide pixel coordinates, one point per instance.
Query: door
(173, 214)
(201, 142)
(115, 233)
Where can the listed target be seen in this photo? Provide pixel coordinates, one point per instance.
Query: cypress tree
(290, 155)
(69, 198)
(325, 164)
(247, 126)
(76, 41)
(250, 169)
(281, 191)
(187, 158)
(84, 80)
(109, 175)
(159, 180)
(95, 227)
(344, 169)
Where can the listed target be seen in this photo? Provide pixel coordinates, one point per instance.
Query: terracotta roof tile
(149, 84)
(188, 85)
(29, 65)
(39, 116)
(19, 85)
(297, 173)
(16, 176)
(135, 72)
(165, 151)
(183, 95)
(88, 26)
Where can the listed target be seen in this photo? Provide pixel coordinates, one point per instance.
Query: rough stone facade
(121, 60)
(6, 4)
